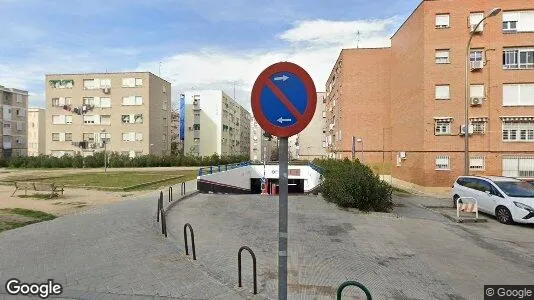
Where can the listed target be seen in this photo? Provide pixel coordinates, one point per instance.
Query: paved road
(419, 255)
(110, 252)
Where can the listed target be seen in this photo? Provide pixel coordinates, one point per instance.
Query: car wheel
(455, 201)
(503, 215)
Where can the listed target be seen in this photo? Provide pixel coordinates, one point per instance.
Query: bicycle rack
(170, 194)
(182, 191)
(187, 225)
(253, 267)
(163, 223)
(160, 205)
(353, 283)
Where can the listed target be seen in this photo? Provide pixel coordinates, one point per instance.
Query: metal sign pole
(282, 220)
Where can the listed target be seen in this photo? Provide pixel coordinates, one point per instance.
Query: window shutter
(138, 100)
(442, 20)
(442, 92)
(526, 164)
(138, 136)
(96, 119)
(474, 18)
(61, 101)
(62, 136)
(526, 94)
(105, 102)
(525, 21)
(477, 91)
(510, 95)
(138, 81)
(510, 16)
(96, 101)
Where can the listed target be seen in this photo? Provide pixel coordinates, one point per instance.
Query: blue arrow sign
(276, 111)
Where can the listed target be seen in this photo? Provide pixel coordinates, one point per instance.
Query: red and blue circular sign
(283, 99)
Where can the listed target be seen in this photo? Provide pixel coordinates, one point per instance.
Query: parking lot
(412, 253)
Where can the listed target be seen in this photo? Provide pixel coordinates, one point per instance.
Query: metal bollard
(253, 267)
(187, 225)
(163, 223)
(354, 283)
(160, 205)
(170, 194)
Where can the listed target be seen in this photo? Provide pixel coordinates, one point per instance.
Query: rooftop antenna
(358, 39)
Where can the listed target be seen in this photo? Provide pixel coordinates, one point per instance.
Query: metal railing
(253, 267)
(170, 194)
(187, 225)
(209, 170)
(353, 283)
(163, 223)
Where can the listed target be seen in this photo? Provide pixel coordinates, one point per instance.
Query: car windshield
(516, 188)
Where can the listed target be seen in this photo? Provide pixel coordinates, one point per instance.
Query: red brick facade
(387, 96)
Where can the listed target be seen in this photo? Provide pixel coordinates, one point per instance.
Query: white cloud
(314, 45)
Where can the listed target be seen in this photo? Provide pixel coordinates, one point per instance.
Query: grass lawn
(11, 218)
(116, 180)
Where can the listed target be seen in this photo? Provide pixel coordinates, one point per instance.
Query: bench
(38, 187)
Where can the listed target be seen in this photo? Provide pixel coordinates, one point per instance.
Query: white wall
(210, 121)
(240, 177)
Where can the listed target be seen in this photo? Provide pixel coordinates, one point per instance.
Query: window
(55, 136)
(55, 102)
(518, 131)
(105, 120)
(196, 126)
(479, 126)
(132, 100)
(88, 101)
(476, 55)
(132, 82)
(474, 19)
(61, 84)
(105, 102)
(20, 126)
(518, 58)
(477, 91)
(443, 92)
(518, 166)
(442, 56)
(442, 126)
(132, 136)
(68, 119)
(125, 118)
(105, 83)
(89, 119)
(138, 119)
(443, 162)
(89, 137)
(20, 112)
(89, 84)
(518, 94)
(58, 119)
(477, 163)
(442, 20)
(518, 21)
(68, 137)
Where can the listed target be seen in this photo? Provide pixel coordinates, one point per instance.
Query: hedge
(353, 184)
(116, 160)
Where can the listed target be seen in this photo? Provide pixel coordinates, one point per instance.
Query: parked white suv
(509, 199)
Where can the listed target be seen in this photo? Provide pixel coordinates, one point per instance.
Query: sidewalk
(110, 251)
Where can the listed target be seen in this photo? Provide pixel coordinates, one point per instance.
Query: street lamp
(492, 13)
(105, 148)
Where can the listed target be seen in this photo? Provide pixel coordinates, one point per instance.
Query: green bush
(117, 160)
(353, 184)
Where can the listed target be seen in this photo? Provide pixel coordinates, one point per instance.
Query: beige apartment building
(36, 131)
(215, 124)
(128, 113)
(14, 118)
(405, 104)
(308, 144)
(261, 147)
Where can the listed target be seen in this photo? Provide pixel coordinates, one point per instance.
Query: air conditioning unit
(402, 155)
(106, 90)
(477, 65)
(331, 126)
(462, 129)
(476, 101)
(479, 29)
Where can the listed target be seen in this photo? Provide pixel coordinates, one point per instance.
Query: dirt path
(73, 201)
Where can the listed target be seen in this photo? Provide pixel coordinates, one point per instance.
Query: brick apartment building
(405, 104)
(129, 112)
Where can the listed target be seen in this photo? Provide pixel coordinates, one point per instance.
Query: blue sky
(201, 43)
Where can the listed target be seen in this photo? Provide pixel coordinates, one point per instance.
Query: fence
(220, 168)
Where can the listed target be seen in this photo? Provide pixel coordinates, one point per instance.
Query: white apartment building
(36, 131)
(14, 105)
(215, 124)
